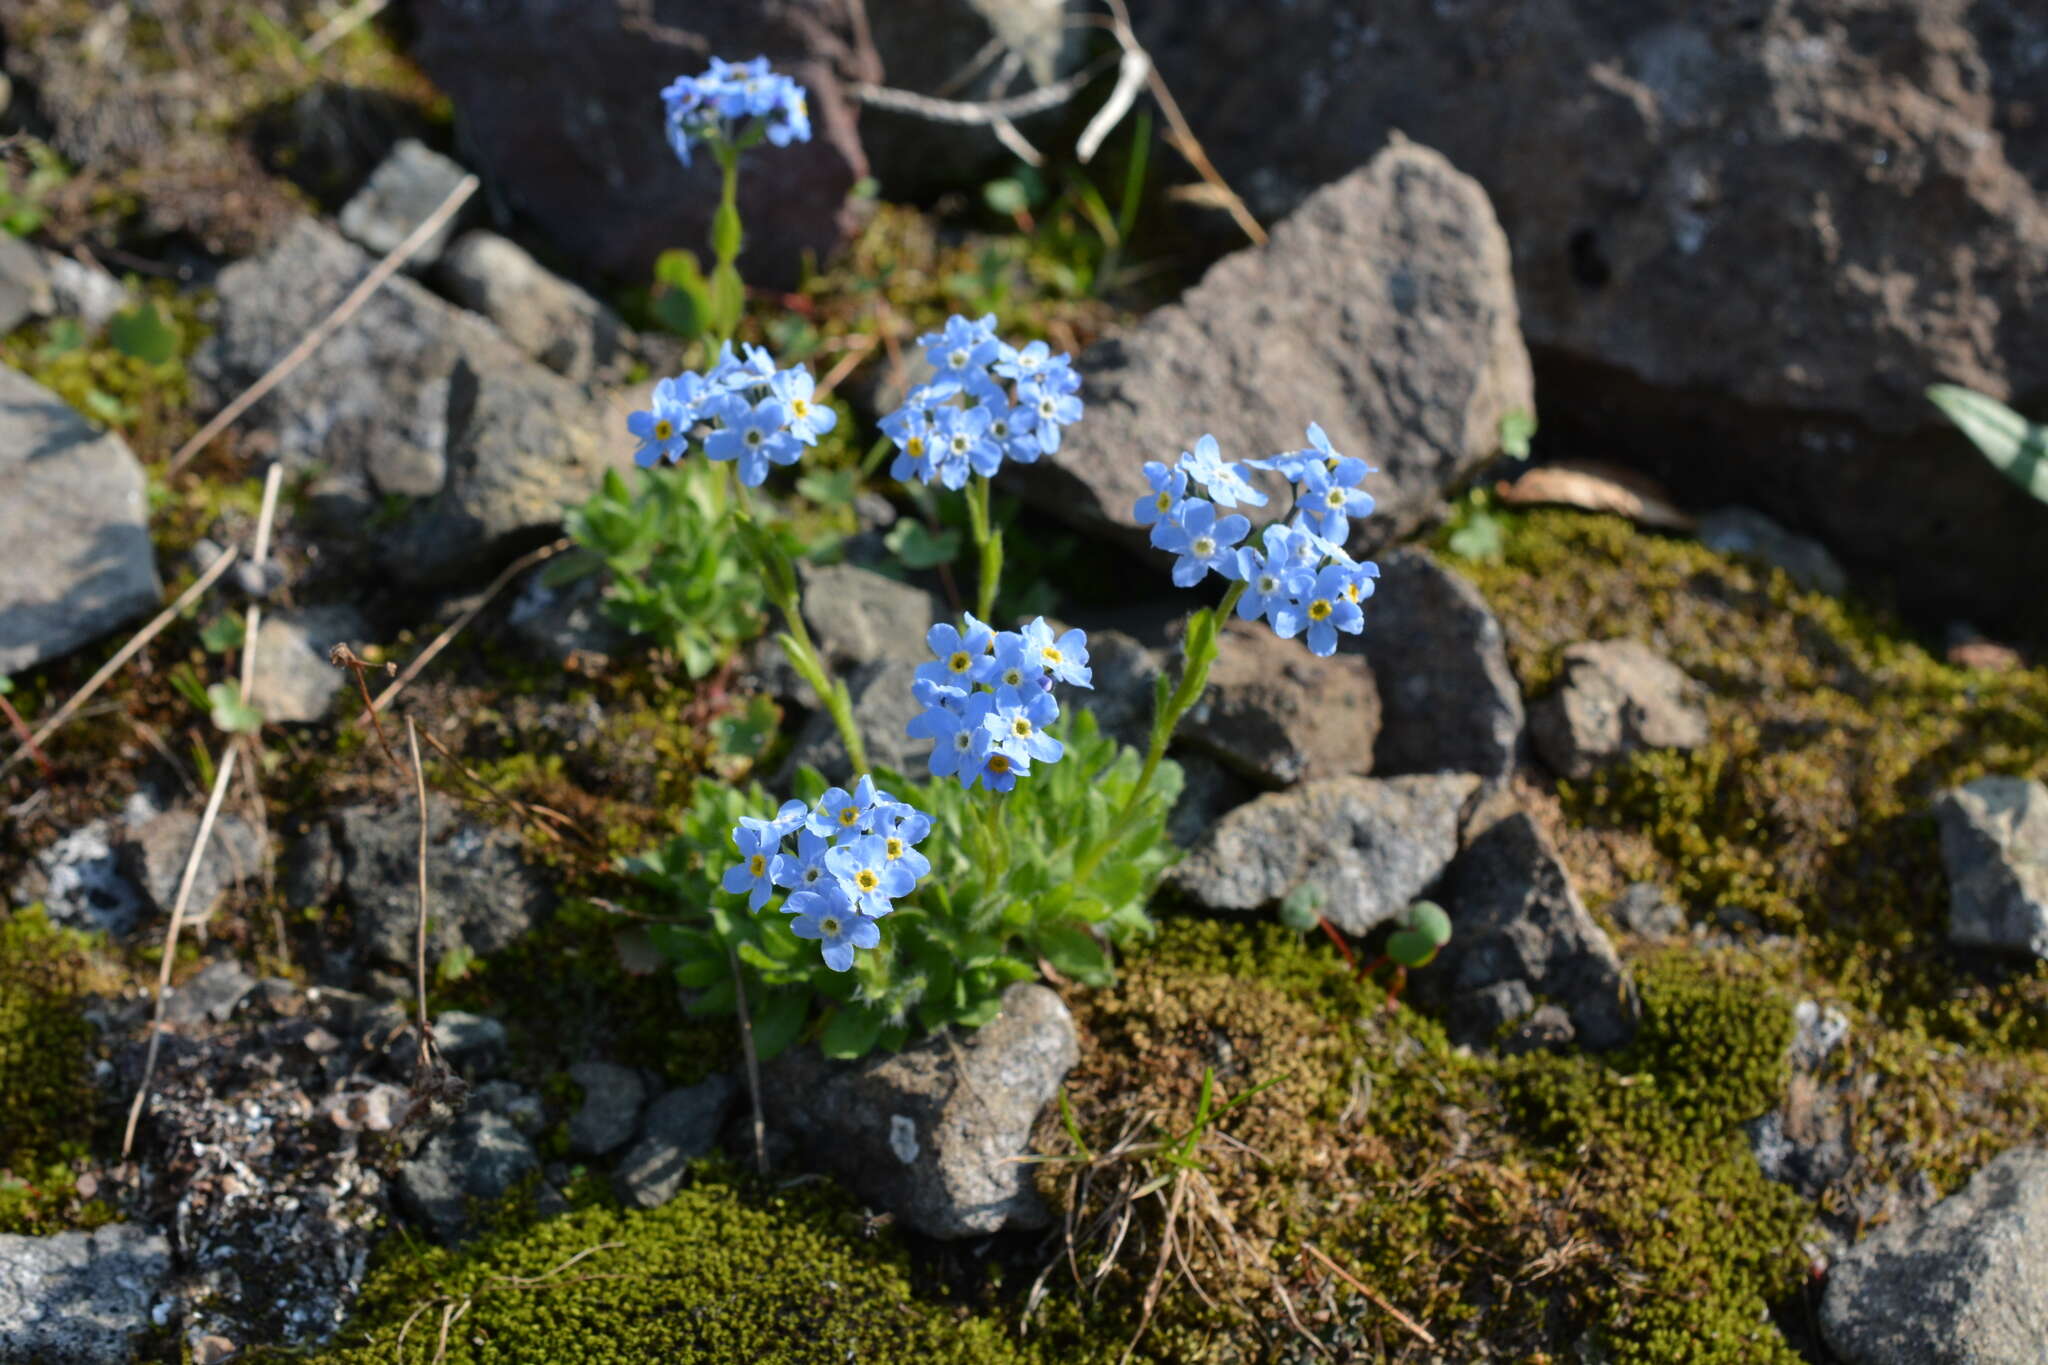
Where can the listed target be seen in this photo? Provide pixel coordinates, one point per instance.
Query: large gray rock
(1725, 261)
(1966, 1285)
(295, 684)
(559, 102)
(1383, 308)
(479, 1158)
(1616, 698)
(1520, 937)
(481, 893)
(1277, 714)
(858, 616)
(76, 1298)
(1448, 699)
(75, 523)
(541, 313)
(403, 192)
(1994, 843)
(933, 1133)
(883, 708)
(1369, 845)
(679, 1128)
(612, 1096)
(411, 398)
(155, 852)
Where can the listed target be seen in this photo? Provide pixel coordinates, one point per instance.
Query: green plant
(1056, 873)
(2017, 447)
(23, 196)
(673, 557)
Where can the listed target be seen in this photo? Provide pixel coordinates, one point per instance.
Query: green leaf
(1302, 908)
(852, 1032)
(831, 488)
(725, 232)
(144, 333)
(1074, 952)
(1428, 919)
(2017, 447)
(1517, 429)
(1007, 197)
(1410, 949)
(728, 299)
(230, 712)
(778, 1019)
(746, 733)
(910, 541)
(223, 633)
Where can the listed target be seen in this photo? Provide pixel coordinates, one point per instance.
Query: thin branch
(1132, 69)
(419, 945)
(343, 24)
(978, 113)
(441, 641)
(1421, 1333)
(124, 654)
(163, 976)
(328, 325)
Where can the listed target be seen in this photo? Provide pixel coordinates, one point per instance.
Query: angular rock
(475, 1043)
(882, 707)
(295, 684)
(1209, 791)
(482, 894)
(612, 1096)
(403, 192)
(1994, 843)
(411, 397)
(541, 313)
(1747, 532)
(1627, 147)
(858, 616)
(1383, 308)
(679, 1127)
(73, 516)
(561, 114)
(1616, 698)
(1370, 845)
(480, 1157)
(83, 883)
(1278, 715)
(931, 1133)
(154, 856)
(1518, 925)
(1123, 671)
(212, 994)
(77, 1298)
(1448, 700)
(24, 284)
(1965, 1285)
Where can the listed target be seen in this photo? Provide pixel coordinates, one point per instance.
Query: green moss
(45, 1045)
(721, 1273)
(148, 402)
(1833, 731)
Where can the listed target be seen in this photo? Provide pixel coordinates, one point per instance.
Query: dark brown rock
(1278, 715)
(1616, 698)
(560, 102)
(1383, 308)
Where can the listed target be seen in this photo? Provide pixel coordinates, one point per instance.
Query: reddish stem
(28, 740)
(1337, 939)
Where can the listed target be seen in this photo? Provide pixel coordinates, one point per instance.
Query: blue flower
(1015, 665)
(837, 816)
(664, 433)
(827, 918)
(1016, 726)
(1024, 362)
(1330, 496)
(963, 445)
(758, 845)
(958, 741)
(1051, 409)
(1202, 542)
(998, 772)
(963, 656)
(868, 876)
(964, 348)
(1206, 466)
(1065, 659)
(757, 438)
(734, 104)
(788, 819)
(1169, 486)
(1273, 581)
(805, 869)
(808, 419)
(1326, 609)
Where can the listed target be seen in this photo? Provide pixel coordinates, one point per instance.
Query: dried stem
(441, 641)
(1421, 1333)
(328, 325)
(28, 741)
(122, 656)
(419, 943)
(739, 987)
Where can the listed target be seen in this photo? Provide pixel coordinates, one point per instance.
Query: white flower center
(755, 436)
(1268, 585)
(830, 926)
(1204, 546)
(958, 359)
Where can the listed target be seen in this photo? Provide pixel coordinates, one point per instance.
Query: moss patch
(721, 1273)
(45, 1052)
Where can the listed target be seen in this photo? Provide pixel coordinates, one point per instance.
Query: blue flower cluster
(853, 854)
(989, 402)
(1298, 575)
(714, 106)
(988, 699)
(755, 414)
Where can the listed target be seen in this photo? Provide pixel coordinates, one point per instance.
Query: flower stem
(989, 542)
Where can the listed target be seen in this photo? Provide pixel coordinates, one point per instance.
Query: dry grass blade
(455, 628)
(328, 325)
(1420, 1332)
(142, 637)
(343, 24)
(419, 947)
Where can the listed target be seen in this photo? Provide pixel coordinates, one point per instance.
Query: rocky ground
(1739, 1050)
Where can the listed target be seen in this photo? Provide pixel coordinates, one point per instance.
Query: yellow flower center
(757, 864)
(961, 661)
(1351, 592)
(1052, 654)
(998, 764)
(800, 406)
(866, 879)
(1020, 727)
(849, 817)
(664, 429)
(914, 447)
(893, 848)
(1319, 609)
(1164, 502)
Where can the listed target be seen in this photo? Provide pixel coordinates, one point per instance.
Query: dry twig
(328, 325)
(441, 641)
(1421, 1333)
(419, 945)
